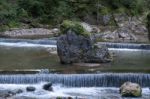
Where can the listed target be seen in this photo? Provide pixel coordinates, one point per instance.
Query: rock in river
(75, 45)
(48, 86)
(30, 88)
(129, 89)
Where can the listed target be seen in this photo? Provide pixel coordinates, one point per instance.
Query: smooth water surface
(38, 57)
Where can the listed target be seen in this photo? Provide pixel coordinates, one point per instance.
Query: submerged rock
(9, 93)
(129, 89)
(48, 86)
(75, 46)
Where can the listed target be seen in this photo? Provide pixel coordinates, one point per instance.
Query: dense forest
(15, 13)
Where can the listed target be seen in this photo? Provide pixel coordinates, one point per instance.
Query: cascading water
(88, 86)
(28, 43)
(80, 80)
(126, 45)
(51, 42)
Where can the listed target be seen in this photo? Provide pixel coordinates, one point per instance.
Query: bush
(148, 25)
(33, 7)
(55, 11)
(7, 13)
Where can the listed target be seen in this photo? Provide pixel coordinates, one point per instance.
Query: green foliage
(33, 7)
(22, 13)
(8, 15)
(134, 7)
(55, 11)
(148, 25)
(4, 28)
(7, 12)
(104, 10)
(13, 24)
(74, 26)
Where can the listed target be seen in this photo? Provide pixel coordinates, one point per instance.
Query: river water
(28, 54)
(75, 92)
(35, 55)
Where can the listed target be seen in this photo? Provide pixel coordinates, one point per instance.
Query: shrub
(148, 25)
(33, 7)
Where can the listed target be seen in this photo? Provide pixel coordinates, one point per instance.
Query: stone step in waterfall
(126, 45)
(80, 80)
(53, 42)
(37, 41)
(47, 41)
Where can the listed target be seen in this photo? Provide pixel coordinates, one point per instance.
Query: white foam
(60, 91)
(25, 44)
(125, 49)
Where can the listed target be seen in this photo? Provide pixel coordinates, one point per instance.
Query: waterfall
(38, 41)
(52, 43)
(126, 45)
(80, 80)
(48, 43)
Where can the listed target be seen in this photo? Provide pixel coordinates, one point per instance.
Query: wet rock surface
(8, 93)
(48, 86)
(127, 29)
(73, 48)
(129, 89)
(30, 88)
(61, 92)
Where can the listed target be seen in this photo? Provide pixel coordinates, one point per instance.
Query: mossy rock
(129, 89)
(74, 26)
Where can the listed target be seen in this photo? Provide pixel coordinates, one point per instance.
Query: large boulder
(129, 89)
(75, 45)
(30, 88)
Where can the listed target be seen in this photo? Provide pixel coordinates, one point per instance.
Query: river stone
(48, 86)
(30, 88)
(129, 89)
(74, 48)
(9, 93)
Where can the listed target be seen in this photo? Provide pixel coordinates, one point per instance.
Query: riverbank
(32, 33)
(127, 31)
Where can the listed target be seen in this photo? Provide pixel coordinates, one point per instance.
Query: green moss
(3, 28)
(74, 26)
